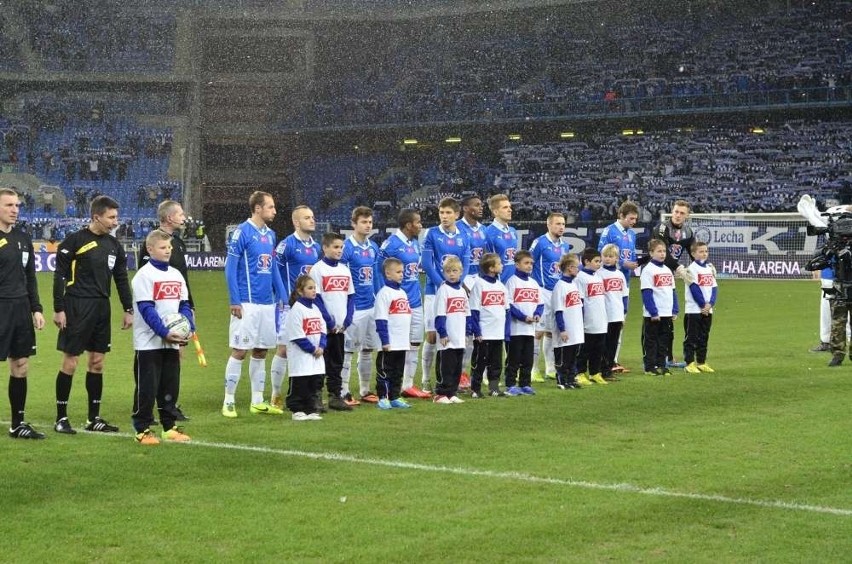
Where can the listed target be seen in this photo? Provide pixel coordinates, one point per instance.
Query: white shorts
(362, 333)
(428, 312)
(547, 321)
(282, 317)
(416, 334)
(256, 328)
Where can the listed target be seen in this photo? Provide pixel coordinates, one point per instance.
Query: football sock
(427, 361)
(345, 373)
(17, 399)
(277, 370)
(468, 353)
(63, 392)
(549, 361)
(365, 369)
(95, 389)
(536, 353)
(410, 368)
(257, 374)
(232, 376)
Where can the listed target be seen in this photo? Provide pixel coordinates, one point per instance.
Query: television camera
(836, 253)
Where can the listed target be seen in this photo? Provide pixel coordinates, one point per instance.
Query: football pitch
(751, 463)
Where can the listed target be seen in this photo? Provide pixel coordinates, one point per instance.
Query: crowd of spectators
(569, 62)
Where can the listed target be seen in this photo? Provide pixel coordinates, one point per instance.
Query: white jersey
(304, 323)
(334, 284)
(615, 290)
(703, 276)
(660, 280)
(592, 292)
(526, 296)
(166, 288)
(392, 306)
(566, 298)
(453, 304)
(491, 300)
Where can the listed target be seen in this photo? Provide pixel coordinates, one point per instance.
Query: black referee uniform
(86, 264)
(678, 240)
(19, 300)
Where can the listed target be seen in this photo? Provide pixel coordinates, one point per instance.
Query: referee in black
(86, 262)
(172, 220)
(20, 309)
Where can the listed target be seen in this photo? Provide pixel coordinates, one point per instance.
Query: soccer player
(403, 245)
(86, 263)
(471, 227)
(172, 220)
(20, 309)
(660, 308)
(616, 293)
(676, 233)
(393, 326)
(591, 287)
(334, 285)
(253, 284)
(158, 289)
(567, 307)
(547, 250)
(622, 236)
(295, 255)
(452, 315)
(525, 310)
(698, 310)
(441, 242)
(361, 255)
(490, 322)
(500, 238)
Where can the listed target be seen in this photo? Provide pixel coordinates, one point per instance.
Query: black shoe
(64, 426)
(99, 425)
(337, 403)
(179, 415)
(836, 360)
(24, 431)
(822, 347)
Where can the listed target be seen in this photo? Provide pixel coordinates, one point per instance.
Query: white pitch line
(515, 476)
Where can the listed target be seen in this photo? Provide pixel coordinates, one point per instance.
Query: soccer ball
(177, 323)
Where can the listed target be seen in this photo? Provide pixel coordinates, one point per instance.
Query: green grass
(624, 472)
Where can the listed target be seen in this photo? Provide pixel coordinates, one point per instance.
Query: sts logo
(264, 262)
(305, 269)
(493, 298)
(510, 254)
(553, 270)
(411, 272)
(312, 325)
(476, 254)
(456, 305)
(572, 299)
(167, 290)
(625, 254)
(663, 280)
(705, 279)
(365, 275)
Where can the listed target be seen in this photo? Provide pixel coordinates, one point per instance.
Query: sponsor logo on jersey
(312, 325)
(705, 279)
(305, 269)
(167, 290)
(613, 284)
(264, 262)
(572, 299)
(553, 270)
(476, 254)
(526, 296)
(595, 289)
(662, 280)
(625, 254)
(493, 298)
(399, 306)
(456, 305)
(676, 250)
(411, 271)
(365, 275)
(335, 283)
(510, 254)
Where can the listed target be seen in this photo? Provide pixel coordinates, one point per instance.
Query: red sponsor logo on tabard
(595, 289)
(399, 306)
(663, 280)
(572, 299)
(614, 284)
(526, 296)
(493, 298)
(456, 305)
(167, 290)
(312, 325)
(705, 279)
(335, 283)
